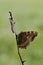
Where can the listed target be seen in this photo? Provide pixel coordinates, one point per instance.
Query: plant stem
(13, 30)
(20, 56)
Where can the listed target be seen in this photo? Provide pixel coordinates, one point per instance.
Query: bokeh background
(28, 15)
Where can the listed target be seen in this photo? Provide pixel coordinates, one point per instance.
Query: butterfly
(23, 38)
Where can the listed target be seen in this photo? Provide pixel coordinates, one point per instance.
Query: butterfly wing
(24, 38)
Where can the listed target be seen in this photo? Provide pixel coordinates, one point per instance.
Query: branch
(13, 30)
(20, 56)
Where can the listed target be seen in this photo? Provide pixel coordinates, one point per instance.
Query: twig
(13, 30)
(20, 56)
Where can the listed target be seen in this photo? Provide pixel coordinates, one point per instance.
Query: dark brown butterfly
(23, 38)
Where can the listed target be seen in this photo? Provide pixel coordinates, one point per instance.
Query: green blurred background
(28, 15)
